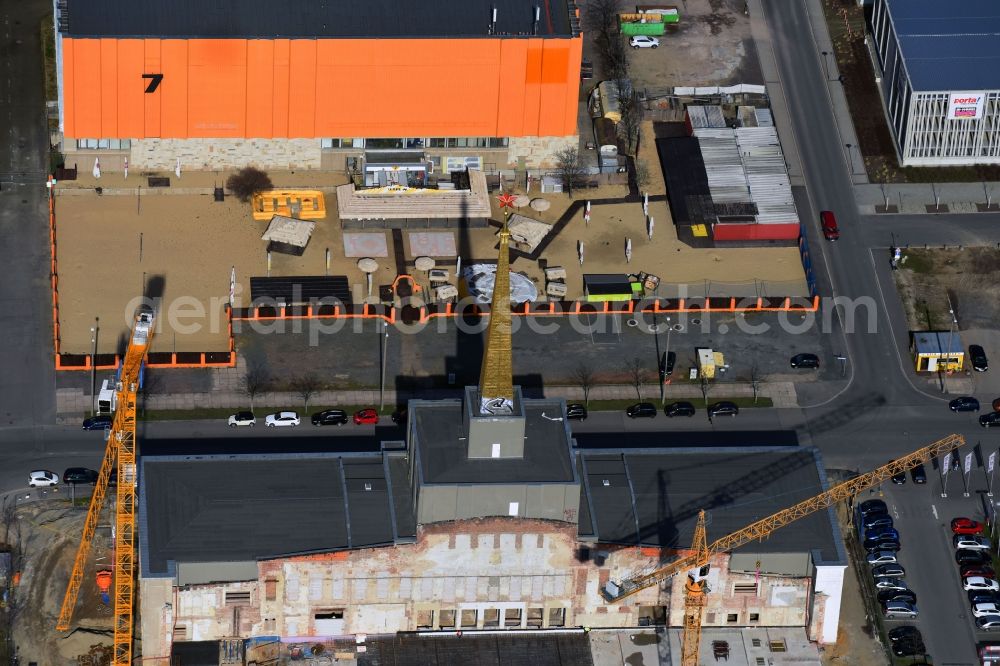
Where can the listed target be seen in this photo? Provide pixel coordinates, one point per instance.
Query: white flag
(968, 462)
(645, 203)
(992, 461)
(628, 250)
(650, 228)
(232, 286)
(947, 464)
(97, 167)
(177, 169)
(126, 168)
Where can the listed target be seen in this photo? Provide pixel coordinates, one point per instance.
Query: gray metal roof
(949, 45)
(249, 507)
(313, 18)
(441, 446)
(653, 497)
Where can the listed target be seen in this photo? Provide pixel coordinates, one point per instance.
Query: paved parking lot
(923, 519)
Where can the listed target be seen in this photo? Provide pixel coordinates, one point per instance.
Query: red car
(966, 526)
(983, 570)
(366, 417)
(829, 223)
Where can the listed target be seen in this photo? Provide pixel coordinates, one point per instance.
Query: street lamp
(94, 330)
(384, 343)
(850, 163)
(826, 70)
(666, 362)
(947, 354)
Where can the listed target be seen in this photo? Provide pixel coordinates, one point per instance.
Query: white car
(242, 419)
(980, 583)
(643, 42)
(984, 609)
(42, 478)
(890, 584)
(881, 557)
(282, 419)
(972, 542)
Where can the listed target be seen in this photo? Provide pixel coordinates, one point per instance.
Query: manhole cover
(632, 322)
(655, 328)
(677, 327)
(696, 321)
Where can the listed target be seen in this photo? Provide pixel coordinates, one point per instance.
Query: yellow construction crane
(120, 451)
(696, 562)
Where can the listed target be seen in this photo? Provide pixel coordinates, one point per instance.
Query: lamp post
(384, 343)
(850, 162)
(666, 362)
(951, 336)
(826, 69)
(94, 330)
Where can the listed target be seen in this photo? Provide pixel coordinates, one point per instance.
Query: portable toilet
(106, 398)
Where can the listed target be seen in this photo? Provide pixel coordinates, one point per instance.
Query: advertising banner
(966, 106)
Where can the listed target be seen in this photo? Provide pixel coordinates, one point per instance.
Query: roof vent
(606, 482)
(368, 485)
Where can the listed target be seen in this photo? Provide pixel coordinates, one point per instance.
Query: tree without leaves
(628, 127)
(616, 56)
(247, 182)
(306, 387)
(568, 163)
(584, 376)
(600, 17)
(755, 380)
(637, 373)
(642, 174)
(255, 382)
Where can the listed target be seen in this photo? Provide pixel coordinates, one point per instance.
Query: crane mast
(120, 451)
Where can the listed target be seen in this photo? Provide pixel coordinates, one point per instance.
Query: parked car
(881, 557)
(894, 570)
(669, 360)
(985, 608)
(337, 417)
(576, 412)
(586, 70)
(242, 419)
(880, 531)
(828, 222)
(367, 416)
(899, 478)
(643, 42)
(899, 609)
(805, 361)
(882, 543)
(965, 556)
(909, 648)
(399, 416)
(990, 420)
(890, 584)
(282, 419)
(963, 525)
(983, 597)
(980, 583)
(906, 595)
(99, 422)
(641, 410)
(988, 623)
(872, 506)
(76, 475)
(966, 403)
(906, 632)
(679, 409)
(971, 542)
(983, 570)
(42, 478)
(918, 474)
(977, 356)
(875, 520)
(724, 408)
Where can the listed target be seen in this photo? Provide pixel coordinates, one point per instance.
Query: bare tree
(584, 376)
(600, 17)
(570, 169)
(705, 387)
(755, 380)
(637, 373)
(616, 56)
(247, 182)
(642, 174)
(255, 381)
(306, 387)
(631, 119)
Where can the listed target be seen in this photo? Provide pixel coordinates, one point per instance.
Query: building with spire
(490, 516)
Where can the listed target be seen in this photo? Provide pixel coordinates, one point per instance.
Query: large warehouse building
(939, 71)
(304, 84)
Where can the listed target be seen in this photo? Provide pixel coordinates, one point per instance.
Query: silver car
(881, 557)
(890, 584)
(899, 610)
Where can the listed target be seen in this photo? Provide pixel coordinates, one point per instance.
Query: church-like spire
(496, 383)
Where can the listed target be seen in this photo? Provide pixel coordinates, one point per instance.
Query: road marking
(895, 512)
(934, 511)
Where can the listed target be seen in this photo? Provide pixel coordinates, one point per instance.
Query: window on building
(103, 144)
(180, 632)
(755, 642)
(437, 143)
(238, 597)
(414, 144)
(745, 588)
(491, 618)
(777, 645)
(384, 144)
(709, 618)
(470, 618)
(270, 589)
(535, 617)
(446, 619)
(732, 618)
(761, 661)
(512, 617)
(425, 619)
(557, 617)
(755, 617)
(499, 142)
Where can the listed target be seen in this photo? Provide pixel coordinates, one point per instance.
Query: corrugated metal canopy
(949, 46)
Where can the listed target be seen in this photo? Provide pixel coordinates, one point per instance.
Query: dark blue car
(99, 422)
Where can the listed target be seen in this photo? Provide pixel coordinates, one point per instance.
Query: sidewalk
(75, 401)
(923, 198)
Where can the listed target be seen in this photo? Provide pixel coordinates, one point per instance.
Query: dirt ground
(50, 532)
(927, 278)
(711, 46)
